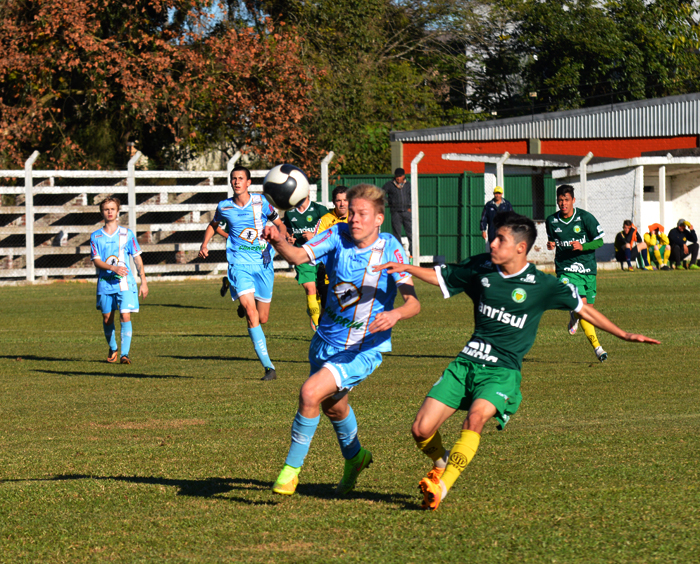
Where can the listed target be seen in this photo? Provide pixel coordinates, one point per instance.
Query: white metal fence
(47, 216)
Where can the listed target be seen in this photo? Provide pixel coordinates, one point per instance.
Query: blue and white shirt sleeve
(396, 253)
(321, 245)
(132, 245)
(269, 211)
(94, 252)
(217, 215)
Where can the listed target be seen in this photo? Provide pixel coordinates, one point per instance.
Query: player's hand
(120, 270)
(390, 267)
(685, 250)
(384, 320)
(635, 338)
(203, 252)
(272, 235)
(551, 245)
(484, 234)
(290, 239)
(577, 246)
(143, 290)
(308, 235)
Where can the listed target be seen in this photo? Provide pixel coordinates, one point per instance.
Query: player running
(576, 234)
(354, 331)
(250, 271)
(339, 214)
(510, 295)
(301, 223)
(111, 248)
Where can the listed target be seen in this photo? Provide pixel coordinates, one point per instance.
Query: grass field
(172, 458)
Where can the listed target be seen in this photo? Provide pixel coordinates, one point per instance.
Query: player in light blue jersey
(111, 248)
(354, 329)
(250, 272)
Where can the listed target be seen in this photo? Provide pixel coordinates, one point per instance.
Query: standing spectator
(498, 205)
(399, 196)
(684, 242)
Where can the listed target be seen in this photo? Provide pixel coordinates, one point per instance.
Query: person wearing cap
(398, 193)
(657, 246)
(497, 205)
(684, 242)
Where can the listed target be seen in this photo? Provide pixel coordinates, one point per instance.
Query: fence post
(415, 235)
(29, 214)
(324, 177)
(229, 167)
(499, 171)
(583, 175)
(131, 188)
(662, 194)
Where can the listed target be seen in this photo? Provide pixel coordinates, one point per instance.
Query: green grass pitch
(171, 459)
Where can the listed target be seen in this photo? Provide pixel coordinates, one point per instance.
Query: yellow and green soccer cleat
(287, 481)
(353, 467)
(433, 490)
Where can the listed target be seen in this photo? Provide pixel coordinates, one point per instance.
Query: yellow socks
(461, 454)
(657, 256)
(667, 254)
(589, 331)
(314, 308)
(432, 447)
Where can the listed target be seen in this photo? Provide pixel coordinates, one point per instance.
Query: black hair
(339, 190)
(239, 168)
(627, 222)
(565, 189)
(522, 227)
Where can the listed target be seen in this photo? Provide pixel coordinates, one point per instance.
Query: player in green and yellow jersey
(510, 295)
(301, 225)
(339, 214)
(576, 234)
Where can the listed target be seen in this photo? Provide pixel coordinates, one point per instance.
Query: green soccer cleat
(353, 467)
(287, 481)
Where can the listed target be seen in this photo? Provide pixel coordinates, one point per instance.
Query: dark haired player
(510, 295)
(250, 271)
(576, 234)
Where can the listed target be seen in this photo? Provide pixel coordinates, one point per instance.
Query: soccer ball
(285, 186)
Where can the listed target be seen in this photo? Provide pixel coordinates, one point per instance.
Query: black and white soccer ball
(285, 186)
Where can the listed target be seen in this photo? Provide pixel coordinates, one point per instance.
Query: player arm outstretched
(425, 274)
(138, 263)
(596, 318)
(411, 306)
(278, 239)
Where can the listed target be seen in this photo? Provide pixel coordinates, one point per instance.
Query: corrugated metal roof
(660, 117)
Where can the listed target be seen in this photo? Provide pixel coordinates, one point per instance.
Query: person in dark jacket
(398, 193)
(684, 242)
(498, 205)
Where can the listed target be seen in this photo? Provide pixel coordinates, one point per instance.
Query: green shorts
(465, 381)
(305, 273)
(585, 284)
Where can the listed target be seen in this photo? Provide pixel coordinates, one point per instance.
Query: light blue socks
(110, 335)
(126, 337)
(260, 344)
(303, 430)
(346, 431)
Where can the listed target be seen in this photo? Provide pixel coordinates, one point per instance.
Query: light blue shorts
(251, 278)
(124, 302)
(348, 367)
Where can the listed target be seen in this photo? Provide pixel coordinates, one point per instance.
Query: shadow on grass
(33, 357)
(251, 359)
(179, 306)
(215, 487)
(112, 374)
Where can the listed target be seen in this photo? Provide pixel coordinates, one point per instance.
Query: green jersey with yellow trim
(581, 227)
(507, 308)
(298, 223)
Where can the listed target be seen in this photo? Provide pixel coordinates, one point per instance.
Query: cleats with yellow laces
(287, 481)
(353, 467)
(433, 490)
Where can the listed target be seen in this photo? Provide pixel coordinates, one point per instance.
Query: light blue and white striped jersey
(106, 248)
(356, 294)
(245, 226)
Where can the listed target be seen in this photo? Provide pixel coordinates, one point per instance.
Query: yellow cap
(498, 190)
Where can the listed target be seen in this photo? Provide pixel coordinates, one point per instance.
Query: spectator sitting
(684, 242)
(657, 245)
(628, 246)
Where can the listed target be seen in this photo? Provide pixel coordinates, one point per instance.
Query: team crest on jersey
(565, 280)
(112, 260)
(485, 282)
(347, 294)
(519, 295)
(249, 234)
(577, 229)
(309, 218)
